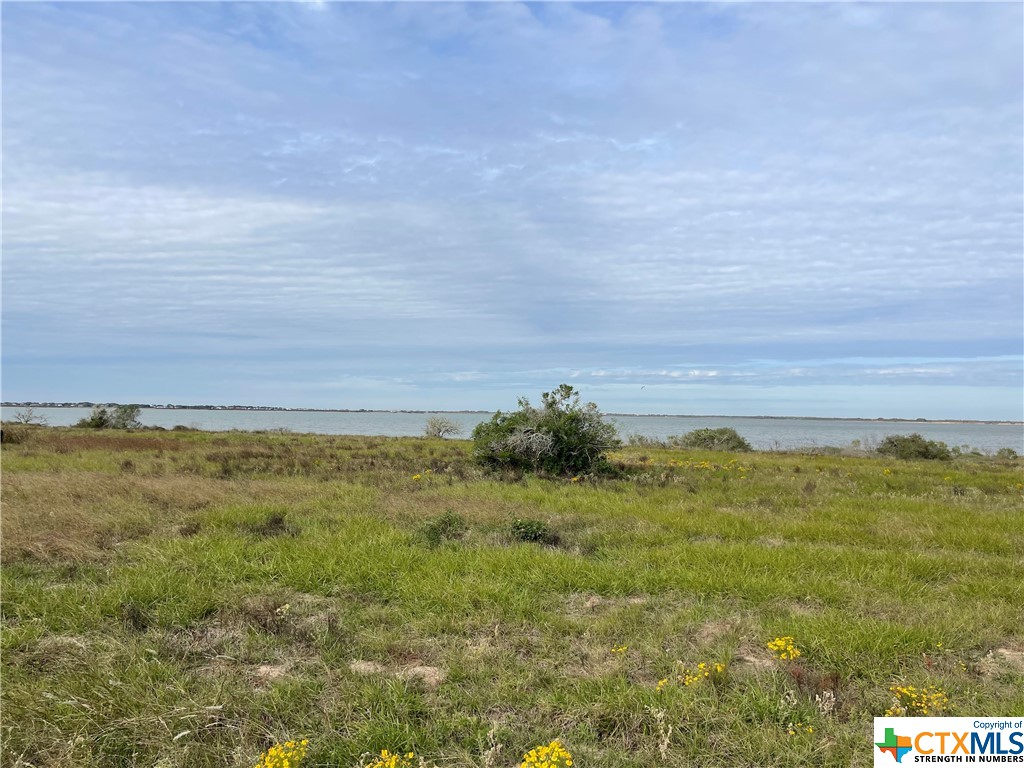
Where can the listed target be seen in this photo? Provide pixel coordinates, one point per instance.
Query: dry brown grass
(87, 515)
(65, 441)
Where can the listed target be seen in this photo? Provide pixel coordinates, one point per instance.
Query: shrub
(722, 439)
(1006, 453)
(442, 426)
(642, 441)
(563, 436)
(449, 526)
(533, 531)
(121, 417)
(913, 447)
(13, 434)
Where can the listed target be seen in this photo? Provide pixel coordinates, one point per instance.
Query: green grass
(188, 599)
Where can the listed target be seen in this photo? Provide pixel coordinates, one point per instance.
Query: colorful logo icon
(897, 746)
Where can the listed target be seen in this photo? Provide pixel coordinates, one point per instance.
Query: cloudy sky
(708, 209)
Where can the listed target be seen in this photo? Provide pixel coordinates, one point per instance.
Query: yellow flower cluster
(287, 755)
(733, 465)
(794, 728)
(552, 755)
(784, 648)
(417, 477)
(393, 760)
(688, 676)
(620, 648)
(909, 701)
(887, 471)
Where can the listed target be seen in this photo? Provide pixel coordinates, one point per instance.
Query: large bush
(121, 417)
(563, 436)
(913, 447)
(722, 439)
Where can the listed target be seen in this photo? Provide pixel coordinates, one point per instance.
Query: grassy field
(189, 599)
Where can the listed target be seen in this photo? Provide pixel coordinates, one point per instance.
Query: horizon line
(274, 408)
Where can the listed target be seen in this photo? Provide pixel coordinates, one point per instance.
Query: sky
(738, 209)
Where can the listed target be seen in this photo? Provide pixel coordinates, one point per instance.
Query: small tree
(563, 436)
(122, 417)
(28, 415)
(98, 419)
(442, 426)
(126, 417)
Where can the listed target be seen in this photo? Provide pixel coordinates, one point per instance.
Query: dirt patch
(206, 642)
(480, 647)
(62, 644)
(593, 602)
(751, 662)
(807, 607)
(715, 630)
(270, 672)
(594, 662)
(54, 652)
(430, 677)
(361, 667)
(1002, 661)
(583, 604)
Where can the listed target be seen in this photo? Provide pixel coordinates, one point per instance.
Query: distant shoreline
(276, 409)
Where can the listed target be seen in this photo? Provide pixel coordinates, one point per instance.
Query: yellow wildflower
(784, 648)
(393, 760)
(910, 701)
(286, 755)
(552, 755)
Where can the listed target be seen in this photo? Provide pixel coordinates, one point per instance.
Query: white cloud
(463, 188)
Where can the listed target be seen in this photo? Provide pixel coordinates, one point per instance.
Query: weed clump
(722, 439)
(275, 524)
(913, 446)
(563, 437)
(13, 434)
(134, 616)
(447, 527)
(533, 531)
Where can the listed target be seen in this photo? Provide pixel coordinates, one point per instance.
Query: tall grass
(189, 599)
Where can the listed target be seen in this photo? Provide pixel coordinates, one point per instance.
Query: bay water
(762, 433)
